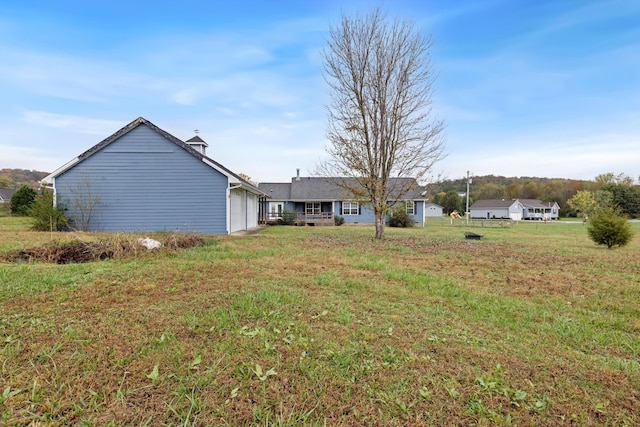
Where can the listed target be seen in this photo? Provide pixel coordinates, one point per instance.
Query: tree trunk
(380, 221)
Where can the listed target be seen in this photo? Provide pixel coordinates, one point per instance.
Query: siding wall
(367, 216)
(147, 183)
(419, 214)
(513, 212)
(433, 211)
(489, 213)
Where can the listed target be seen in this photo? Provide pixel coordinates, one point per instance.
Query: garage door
(237, 211)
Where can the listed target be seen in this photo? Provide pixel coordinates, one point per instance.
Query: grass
(534, 325)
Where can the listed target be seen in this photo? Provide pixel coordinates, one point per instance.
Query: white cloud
(20, 157)
(72, 123)
(582, 157)
(257, 96)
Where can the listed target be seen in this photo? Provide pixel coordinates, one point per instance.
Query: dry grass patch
(116, 246)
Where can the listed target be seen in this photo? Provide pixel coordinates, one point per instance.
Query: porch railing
(315, 217)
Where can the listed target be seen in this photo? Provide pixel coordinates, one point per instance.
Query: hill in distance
(15, 178)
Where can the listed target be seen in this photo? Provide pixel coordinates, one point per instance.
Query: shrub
(287, 218)
(22, 199)
(400, 217)
(338, 220)
(608, 227)
(45, 216)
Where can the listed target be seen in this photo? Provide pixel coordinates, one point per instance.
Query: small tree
(47, 217)
(5, 182)
(22, 200)
(587, 203)
(84, 201)
(451, 202)
(287, 217)
(608, 227)
(625, 197)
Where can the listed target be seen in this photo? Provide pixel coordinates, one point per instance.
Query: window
(349, 208)
(276, 209)
(411, 207)
(312, 208)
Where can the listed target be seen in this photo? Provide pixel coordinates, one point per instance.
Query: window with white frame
(410, 206)
(349, 208)
(312, 208)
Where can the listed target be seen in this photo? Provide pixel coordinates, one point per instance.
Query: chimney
(198, 144)
(298, 174)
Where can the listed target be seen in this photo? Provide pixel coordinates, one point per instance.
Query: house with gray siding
(318, 200)
(143, 179)
(496, 209)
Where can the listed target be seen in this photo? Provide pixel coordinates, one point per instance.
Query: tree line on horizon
(16, 178)
(449, 194)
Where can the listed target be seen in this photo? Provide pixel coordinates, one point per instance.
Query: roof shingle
(333, 188)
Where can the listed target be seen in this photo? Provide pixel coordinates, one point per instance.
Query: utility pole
(466, 212)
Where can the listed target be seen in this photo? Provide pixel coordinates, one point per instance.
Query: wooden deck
(322, 219)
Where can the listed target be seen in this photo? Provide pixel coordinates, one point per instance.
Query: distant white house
(515, 209)
(537, 210)
(497, 209)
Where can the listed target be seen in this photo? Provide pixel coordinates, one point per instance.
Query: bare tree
(85, 201)
(380, 122)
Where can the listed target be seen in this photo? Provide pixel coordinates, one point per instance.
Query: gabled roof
(142, 121)
(6, 193)
(502, 203)
(276, 190)
(493, 203)
(331, 188)
(534, 203)
(197, 140)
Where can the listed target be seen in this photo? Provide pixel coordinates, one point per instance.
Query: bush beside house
(22, 200)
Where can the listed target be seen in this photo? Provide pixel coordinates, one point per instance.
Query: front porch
(313, 219)
(538, 214)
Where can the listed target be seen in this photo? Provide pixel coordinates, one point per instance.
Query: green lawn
(533, 325)
(5, 209)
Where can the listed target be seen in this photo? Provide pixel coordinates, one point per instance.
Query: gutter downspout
(55, 193)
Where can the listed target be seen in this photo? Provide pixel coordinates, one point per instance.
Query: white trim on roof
(211, 164)
(50, 179)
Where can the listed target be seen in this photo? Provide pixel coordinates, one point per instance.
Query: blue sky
(526, 88)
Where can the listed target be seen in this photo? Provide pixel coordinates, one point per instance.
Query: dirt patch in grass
(117, 247)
